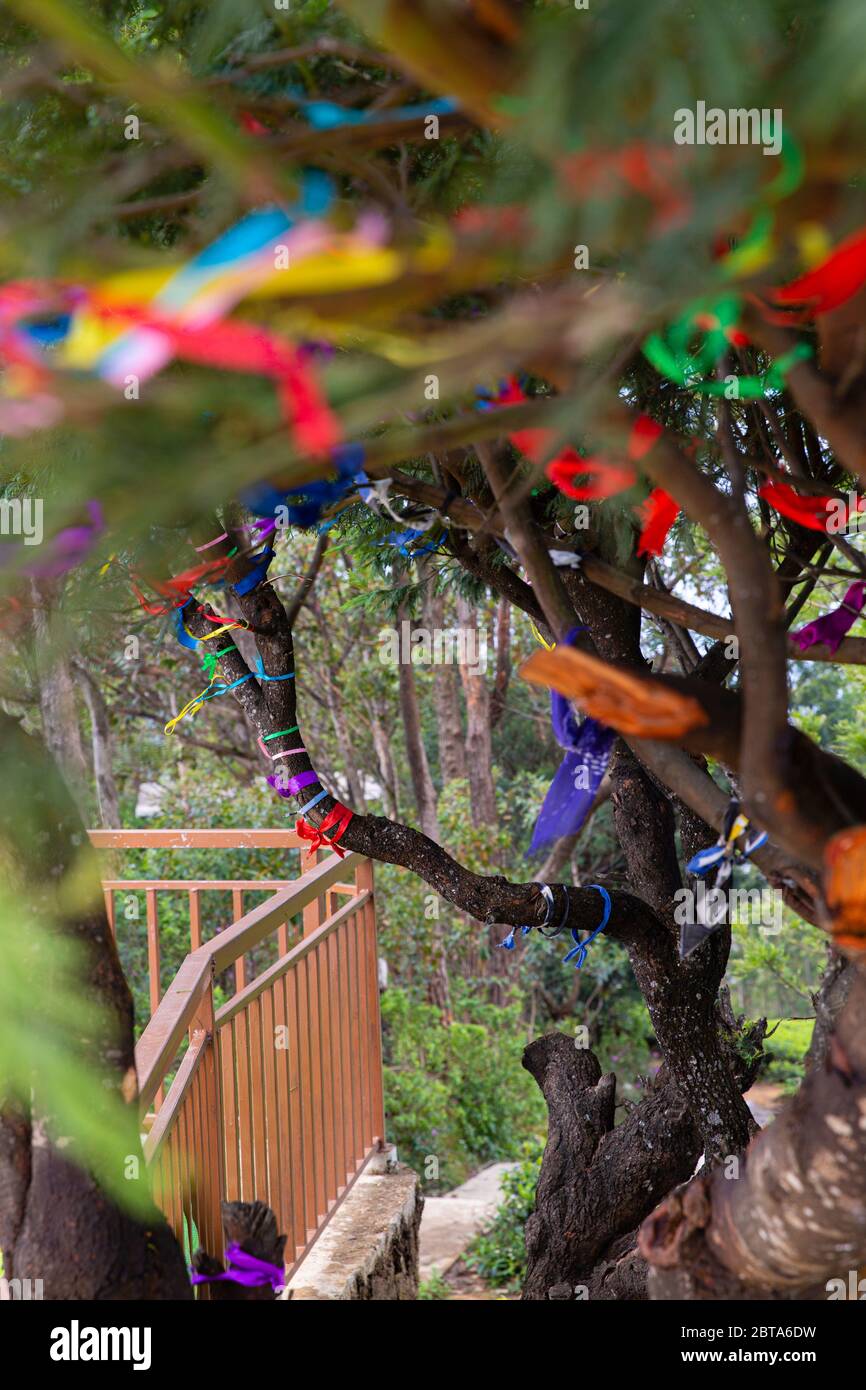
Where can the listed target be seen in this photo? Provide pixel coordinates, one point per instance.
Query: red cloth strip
(658, 514)
(338, 819)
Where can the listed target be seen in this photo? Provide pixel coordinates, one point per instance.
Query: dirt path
(450, 1223)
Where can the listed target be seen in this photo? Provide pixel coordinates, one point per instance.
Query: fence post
(211, 1159)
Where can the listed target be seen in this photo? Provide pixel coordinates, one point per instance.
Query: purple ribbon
(572, 791)
(293, 785)
(250, 1271)
(833, 626)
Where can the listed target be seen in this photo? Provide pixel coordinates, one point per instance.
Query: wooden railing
(157, 891)
(277, 1095)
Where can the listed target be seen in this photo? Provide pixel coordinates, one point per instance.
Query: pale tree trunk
(416, 754)
(439, 992)
(60, 726)
(336, 711)
(446, 691)
(107, 800)
(479, 751)
(385, 760)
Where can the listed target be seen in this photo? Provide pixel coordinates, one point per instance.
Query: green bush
(786, 1051)
(456, 1096)
(498, 1254)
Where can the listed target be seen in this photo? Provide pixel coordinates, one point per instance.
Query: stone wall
(369, 1249)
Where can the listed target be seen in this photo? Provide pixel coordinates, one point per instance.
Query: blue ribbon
(256, 576)
(328, 115)
(185, 638)
(580, 947)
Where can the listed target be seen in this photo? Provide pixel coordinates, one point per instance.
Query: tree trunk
(446, 693)
(419, 768)
(107, 799)
(479, 749)
(790, 1218)
(56, 1224)
(60, 727)
(385, 760)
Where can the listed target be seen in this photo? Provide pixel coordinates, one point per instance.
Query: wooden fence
(276, 1095)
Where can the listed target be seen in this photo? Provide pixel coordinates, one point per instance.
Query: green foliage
(434, 1289)
(786, 1046)
(456, 1096)
(498, 1254)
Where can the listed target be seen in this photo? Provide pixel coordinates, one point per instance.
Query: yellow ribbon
(192, 707)
(548, 646)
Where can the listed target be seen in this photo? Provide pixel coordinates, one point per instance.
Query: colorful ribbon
(257, 575)
(809, 511)
(587, 753)
(735, 844)
(658, 514)
(293, 785)
(337, 820)
(832, 627)
(245, 1269)
(580, 948)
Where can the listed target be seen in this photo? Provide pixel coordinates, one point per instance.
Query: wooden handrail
(195, 839)
(161, 1039)
(254, 926)
(223, 885)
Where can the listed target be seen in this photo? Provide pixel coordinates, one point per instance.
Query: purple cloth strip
(70, 547)
(572, 791)
(833, 626)
(250, 1271)
(294, 784)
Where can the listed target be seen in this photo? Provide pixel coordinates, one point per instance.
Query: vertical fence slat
(245, 1114)
(296, 1118)
(194, 919)
(228, 1065)
(153, 961)
(257, 1086)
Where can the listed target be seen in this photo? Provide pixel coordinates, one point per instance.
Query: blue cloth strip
(256, 576)
(260, 672)
(580, 948)
(185, 638)
(310, 804)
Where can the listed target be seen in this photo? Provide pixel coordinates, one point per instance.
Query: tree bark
(60, 725)
(419, 768)
(791, 1217)
(107, 799)
(446, 692)
(479, 748)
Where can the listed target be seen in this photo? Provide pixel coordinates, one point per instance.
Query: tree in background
(558, 337)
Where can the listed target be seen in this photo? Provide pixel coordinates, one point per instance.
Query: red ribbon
(337, 819)
(830, 284)
(811, 512)
(611, 478)
(243, 347)
(658, 514)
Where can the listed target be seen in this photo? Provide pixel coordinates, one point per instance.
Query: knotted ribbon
(572, 791)
(579, 949)
(336, 820)
(247, 1270)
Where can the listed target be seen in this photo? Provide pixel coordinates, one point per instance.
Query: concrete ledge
(369, 1249)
